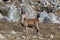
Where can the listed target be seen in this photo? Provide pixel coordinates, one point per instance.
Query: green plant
(4, 12)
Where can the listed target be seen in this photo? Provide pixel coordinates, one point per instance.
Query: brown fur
(28, 22)
(31, 21)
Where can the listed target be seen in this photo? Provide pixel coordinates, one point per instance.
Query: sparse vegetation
(15, 31)
(4, 12)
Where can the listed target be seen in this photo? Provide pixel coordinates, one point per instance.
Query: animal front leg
(26, 33)
(26, 30)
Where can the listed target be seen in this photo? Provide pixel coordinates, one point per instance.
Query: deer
(27, 22)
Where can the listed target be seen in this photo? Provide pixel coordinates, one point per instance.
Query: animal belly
(30, 25)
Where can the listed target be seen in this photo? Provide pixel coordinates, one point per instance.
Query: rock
(51, 36)
(23, 37)
(13, 32)
(1, 36)
(12, 14)
(18, 38)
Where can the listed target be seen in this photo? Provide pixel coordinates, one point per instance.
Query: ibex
(27, 22)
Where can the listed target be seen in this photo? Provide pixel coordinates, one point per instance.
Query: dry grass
(45, 29)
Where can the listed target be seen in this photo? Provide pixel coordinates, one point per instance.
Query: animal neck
(23, 17)
(22, 20)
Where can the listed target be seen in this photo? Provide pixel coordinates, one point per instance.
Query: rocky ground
(15, 31)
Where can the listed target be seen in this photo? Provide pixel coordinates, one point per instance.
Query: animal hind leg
(37, 27)
(38, 33)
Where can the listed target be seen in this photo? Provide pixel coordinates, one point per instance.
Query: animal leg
(26, 32)
(26, 28)
(37, 27)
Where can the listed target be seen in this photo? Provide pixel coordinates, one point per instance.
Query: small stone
(34, 36)
(1, 36)
(13, 32)
(18, 38)
(41, 38)
(23, 37)
(59, 26)
(51, 36)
